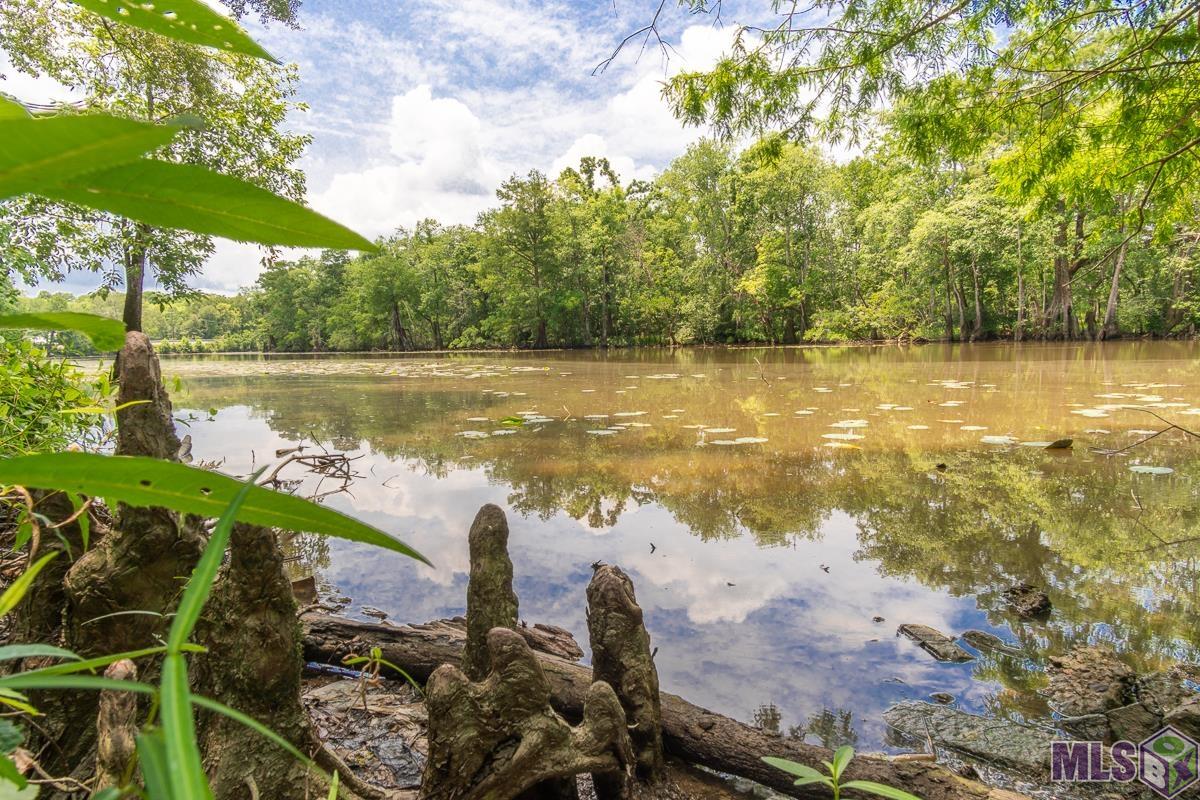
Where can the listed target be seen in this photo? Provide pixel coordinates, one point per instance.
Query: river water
(769, 504)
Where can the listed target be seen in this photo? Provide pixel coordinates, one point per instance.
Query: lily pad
(1000, 440)
(1146, 469)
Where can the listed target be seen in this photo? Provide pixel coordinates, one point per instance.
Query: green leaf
(11, 109)
(841, 757)
(14, 790)
(200, 583)
(103, 409)
(16, 700)
(111, 793)
(93, 664)
(39, 680)
(802, 771)
(83, 520)
(40, 153)
(333, 788)
(183, 20)
(152, 758)
(185, 770)
(252, 724)
(14, 593)
(106, 334)
(195, 199)
(880, 789)
(11, 736)
(13, 652)
(191, 490)
(8, 770)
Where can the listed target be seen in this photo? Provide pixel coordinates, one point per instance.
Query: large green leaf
(36, 153)
(184, 20)
(149, 482)
(192, 198)
(11, 109)
(106, 334)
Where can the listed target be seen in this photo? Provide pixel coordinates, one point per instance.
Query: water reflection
(764, 565)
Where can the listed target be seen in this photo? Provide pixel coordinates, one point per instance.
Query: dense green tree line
(777, 243)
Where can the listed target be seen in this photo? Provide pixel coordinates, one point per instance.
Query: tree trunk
(1059, 320)
(1019, 331)
(977, 326)
(960, 304)
(949, 294)
(399, 335)
(136, 261)
(691, 733)
(789, 327)
(1110, 329)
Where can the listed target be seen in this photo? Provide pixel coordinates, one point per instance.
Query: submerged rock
(936, 643)
(989, 643)
(1089, 680)
(942, 698)
(1186, 717)
(998, 741)
(1102, 698)
(1028, 601)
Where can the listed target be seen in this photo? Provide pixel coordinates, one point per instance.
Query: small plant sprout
(842, 757)
(372, 665)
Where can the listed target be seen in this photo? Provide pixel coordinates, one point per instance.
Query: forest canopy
(773, 244)
(878, 169)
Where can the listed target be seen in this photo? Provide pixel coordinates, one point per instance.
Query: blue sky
(420, 108)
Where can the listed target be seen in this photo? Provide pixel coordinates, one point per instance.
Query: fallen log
(691, 733)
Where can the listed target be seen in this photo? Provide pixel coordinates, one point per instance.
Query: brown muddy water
(769, 504)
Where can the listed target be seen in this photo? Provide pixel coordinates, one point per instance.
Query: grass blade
(152, 758)
(16, 592)
(39, 680)
(252, 724)
(185, 770)
(13, 652)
